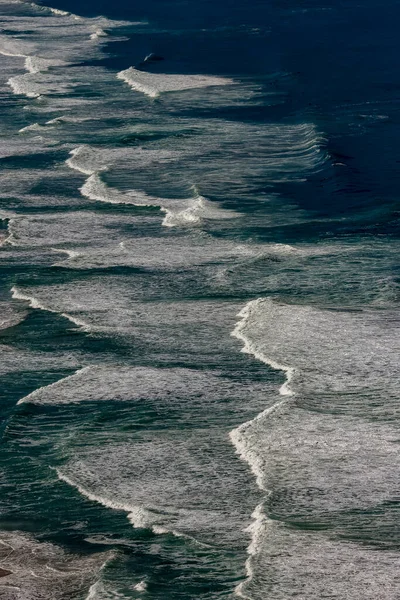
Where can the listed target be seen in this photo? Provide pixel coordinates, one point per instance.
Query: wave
(138, 516)
(155, 84)
(65, 119)
(246, 314)
(70, 253)
(189, 211)
(43, 8)
(91, 160)
(35, 64)
(361, 343)
(33, 127)
(85, 160)
(36, 304)
(99, 33)
(141, 586)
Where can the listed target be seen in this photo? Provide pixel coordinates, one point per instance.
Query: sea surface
(199, 300)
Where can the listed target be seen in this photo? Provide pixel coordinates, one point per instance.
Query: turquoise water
(199, 303)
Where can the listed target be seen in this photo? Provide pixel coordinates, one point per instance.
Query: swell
(247, 453)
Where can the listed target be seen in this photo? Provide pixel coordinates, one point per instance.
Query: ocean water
(199, 301)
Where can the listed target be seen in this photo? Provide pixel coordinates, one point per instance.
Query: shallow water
(199, 302)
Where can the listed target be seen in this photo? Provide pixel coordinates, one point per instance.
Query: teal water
(199, 304)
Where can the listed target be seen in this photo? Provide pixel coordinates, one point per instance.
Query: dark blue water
(199, 310)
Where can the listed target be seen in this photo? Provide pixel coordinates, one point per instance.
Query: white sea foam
(62, 13)
(109, 245)
(66, 233)
(38, 83)
(70, 253)
(21, 85)
(359, 347)
(106, 305)
(101, 591)
(154, 84)
(92, 160)
(15, 360)
(258, 531)
(18, 48)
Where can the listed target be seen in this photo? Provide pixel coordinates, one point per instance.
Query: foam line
(249, 348)
(245, 450)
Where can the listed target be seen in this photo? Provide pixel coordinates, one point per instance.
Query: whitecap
(154, 84)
